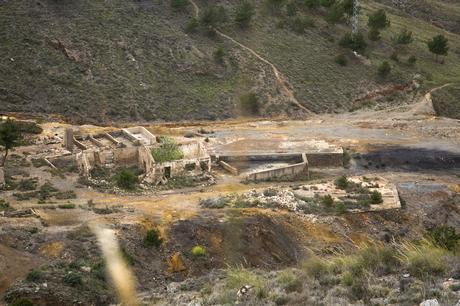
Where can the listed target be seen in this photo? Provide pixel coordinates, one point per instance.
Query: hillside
(101, 61)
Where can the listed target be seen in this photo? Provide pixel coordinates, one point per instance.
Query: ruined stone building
(132, 147)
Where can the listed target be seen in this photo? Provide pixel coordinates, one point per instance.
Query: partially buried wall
(290, 171)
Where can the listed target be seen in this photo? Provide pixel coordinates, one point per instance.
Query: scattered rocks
(433, 302)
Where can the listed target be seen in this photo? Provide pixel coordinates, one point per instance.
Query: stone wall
(290, 171)
(325, 159)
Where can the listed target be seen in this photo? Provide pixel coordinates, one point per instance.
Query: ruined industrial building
(129, 147)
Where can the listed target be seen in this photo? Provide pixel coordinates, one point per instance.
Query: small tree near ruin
(10, 137)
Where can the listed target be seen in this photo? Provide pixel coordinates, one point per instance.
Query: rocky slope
(102, 61)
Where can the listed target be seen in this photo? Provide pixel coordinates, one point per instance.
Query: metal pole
(354, 18)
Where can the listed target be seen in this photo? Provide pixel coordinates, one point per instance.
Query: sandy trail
(283, 82)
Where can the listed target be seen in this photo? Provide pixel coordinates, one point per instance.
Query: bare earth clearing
(418, 153)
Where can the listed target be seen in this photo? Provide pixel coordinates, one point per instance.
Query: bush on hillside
(213, 15)
(373, 35)
(192, 25)
(198, 251)
(244, 13)
(219, 54)
(249, 104)
(299, 24)
(341, 182)
(404, 37)
(341, 60)
(445, 237)
(153, 238)
(384, 69)
(312, 3)
(412, 60)
(179, 5)
(355, 42)
(126, 179)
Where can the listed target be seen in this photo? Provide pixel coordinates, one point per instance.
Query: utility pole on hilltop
(354, 18)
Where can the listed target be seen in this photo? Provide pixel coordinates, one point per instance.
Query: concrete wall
(290, 171)
(325, 159)
(228, 167)
(319, 159)
(125, 156)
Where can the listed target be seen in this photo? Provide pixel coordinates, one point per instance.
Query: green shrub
(327, 201)
(376, 197)
(291, 8)
(341, 60)
(444, 236)
(244, 13)
(73, 279)
(412, 60)
(378, 20)
(126, 179)
(289, 281)
(67, 206)
(4, 205)
(22, 302)
(354, 42)
(198, 251)
(335, 13)
(394, 56)
(34, 275)
(341, 208)
(213, 15)
(384, 69)
(192, 25)
(316, 267)
(239, 277)
(28, 127)
(404, 37)
(299, 24)
(342, 182)
(327, 3)
(249, 104)
(438, 45)
(219, 54)
(153, 238)
(274, 6)
(65, 195)
(312, 3)
(99, 173)
(179, 5)
(168, 150)
(423, 260)
(374, 35)
(47, 190)
(28, 184)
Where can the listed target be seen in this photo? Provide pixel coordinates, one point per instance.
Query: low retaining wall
(325, 159)
(228, 167)
(293, 157)
(281, 172)
(320, 159)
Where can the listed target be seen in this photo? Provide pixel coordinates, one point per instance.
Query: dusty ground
(420, 154)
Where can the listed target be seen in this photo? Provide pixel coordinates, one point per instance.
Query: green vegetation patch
(169, 150)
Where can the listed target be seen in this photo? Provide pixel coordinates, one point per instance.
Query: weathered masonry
(294, 165)
(131, 147)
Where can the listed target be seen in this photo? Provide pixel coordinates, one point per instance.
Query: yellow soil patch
(53, 249)
(455, 188)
